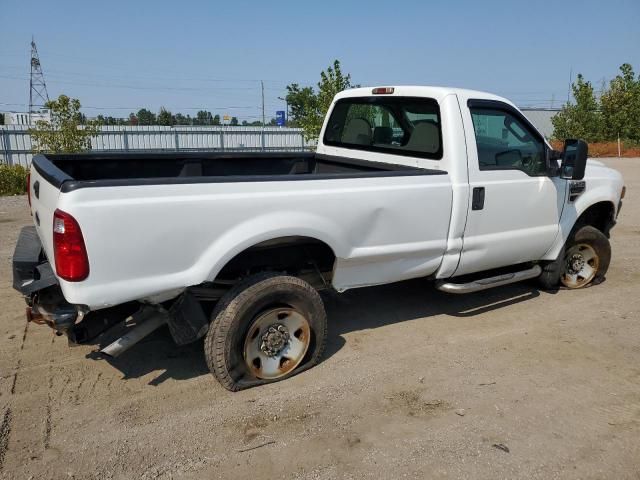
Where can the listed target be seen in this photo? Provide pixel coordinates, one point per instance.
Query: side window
(505, 142)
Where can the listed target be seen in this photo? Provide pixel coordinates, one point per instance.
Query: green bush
(13, 179)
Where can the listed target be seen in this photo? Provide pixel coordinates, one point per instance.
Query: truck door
(514, 205)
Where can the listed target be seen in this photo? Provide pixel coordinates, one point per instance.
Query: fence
(16, 144)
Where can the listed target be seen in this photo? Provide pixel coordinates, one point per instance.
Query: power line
(211, 92)
(164, 74)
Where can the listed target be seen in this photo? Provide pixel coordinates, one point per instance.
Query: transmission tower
(38, 95)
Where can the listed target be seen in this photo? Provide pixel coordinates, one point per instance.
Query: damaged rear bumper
(33, 277)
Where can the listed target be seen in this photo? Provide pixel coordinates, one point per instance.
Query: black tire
(553, 274)
(235, 313)
(549, 279)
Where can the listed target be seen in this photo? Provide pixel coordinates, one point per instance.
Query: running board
(490, 282)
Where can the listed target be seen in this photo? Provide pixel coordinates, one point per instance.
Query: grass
(13, 179)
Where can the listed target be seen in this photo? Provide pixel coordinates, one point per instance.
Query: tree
(180, 119)
(203, 117)
(234, 121)
(146, 117)
(581, 119)
(216, 120)
(102, 120)
(300, 100)
(620, 106)
(615, 115)
(308, 108)
(165, 117)
(63, 133)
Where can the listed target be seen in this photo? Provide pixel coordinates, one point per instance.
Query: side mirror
(574, 159)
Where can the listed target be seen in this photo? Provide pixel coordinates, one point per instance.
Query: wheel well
(305, 257)
(599, 215)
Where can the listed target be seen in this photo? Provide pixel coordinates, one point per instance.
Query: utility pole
(262, 88)
(570, 81)
(37, 87)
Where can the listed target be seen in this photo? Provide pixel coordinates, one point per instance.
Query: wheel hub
(274, 340)
(276, 343)
(581, 266)
(576, 263)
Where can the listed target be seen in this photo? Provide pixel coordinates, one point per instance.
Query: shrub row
(13, 179)
(606, 149)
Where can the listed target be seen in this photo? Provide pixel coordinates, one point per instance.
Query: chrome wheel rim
(581, 263)
(276, 342)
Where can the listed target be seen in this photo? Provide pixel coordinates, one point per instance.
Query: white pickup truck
(449, 184)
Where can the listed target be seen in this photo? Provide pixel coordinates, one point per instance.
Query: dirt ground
(510, 383)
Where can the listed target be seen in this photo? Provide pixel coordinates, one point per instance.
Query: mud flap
(187, 321)
(31, 271)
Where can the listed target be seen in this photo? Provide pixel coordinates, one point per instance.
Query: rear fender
(260, 229)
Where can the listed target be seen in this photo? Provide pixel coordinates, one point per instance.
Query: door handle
(477, 201)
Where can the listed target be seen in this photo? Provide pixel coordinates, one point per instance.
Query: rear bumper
(33, 277)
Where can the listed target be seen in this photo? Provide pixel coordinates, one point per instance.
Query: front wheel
(266, 328)
(586, 258)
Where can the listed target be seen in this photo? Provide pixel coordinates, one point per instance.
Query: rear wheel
(266, 328)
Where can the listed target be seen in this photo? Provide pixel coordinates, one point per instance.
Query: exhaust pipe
(147, 321)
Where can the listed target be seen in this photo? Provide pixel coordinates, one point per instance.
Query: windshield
(399, 125)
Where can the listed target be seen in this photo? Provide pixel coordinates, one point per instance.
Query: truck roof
(437, 93)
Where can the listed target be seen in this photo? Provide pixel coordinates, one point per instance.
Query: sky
(119, 56)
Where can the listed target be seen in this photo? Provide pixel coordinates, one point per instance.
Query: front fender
(603, 184)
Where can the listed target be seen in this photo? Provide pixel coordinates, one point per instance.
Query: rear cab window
(397, 125)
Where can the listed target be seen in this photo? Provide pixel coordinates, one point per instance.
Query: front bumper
(33, 277)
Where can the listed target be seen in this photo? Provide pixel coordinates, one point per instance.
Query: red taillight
(29, 187)
(69, 251)
(382, 90)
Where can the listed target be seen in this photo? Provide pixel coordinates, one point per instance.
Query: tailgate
(44, 198)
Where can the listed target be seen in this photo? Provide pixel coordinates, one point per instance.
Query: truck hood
(594, 162)
(597, 169)
(603, 179)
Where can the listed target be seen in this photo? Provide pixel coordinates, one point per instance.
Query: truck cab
(511, 204)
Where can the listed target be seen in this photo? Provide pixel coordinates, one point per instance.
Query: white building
(24, 118)
(541, 119)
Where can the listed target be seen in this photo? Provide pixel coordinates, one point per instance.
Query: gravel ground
(510, 383)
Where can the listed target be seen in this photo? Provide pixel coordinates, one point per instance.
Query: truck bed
(156, 223)
(73, 171)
